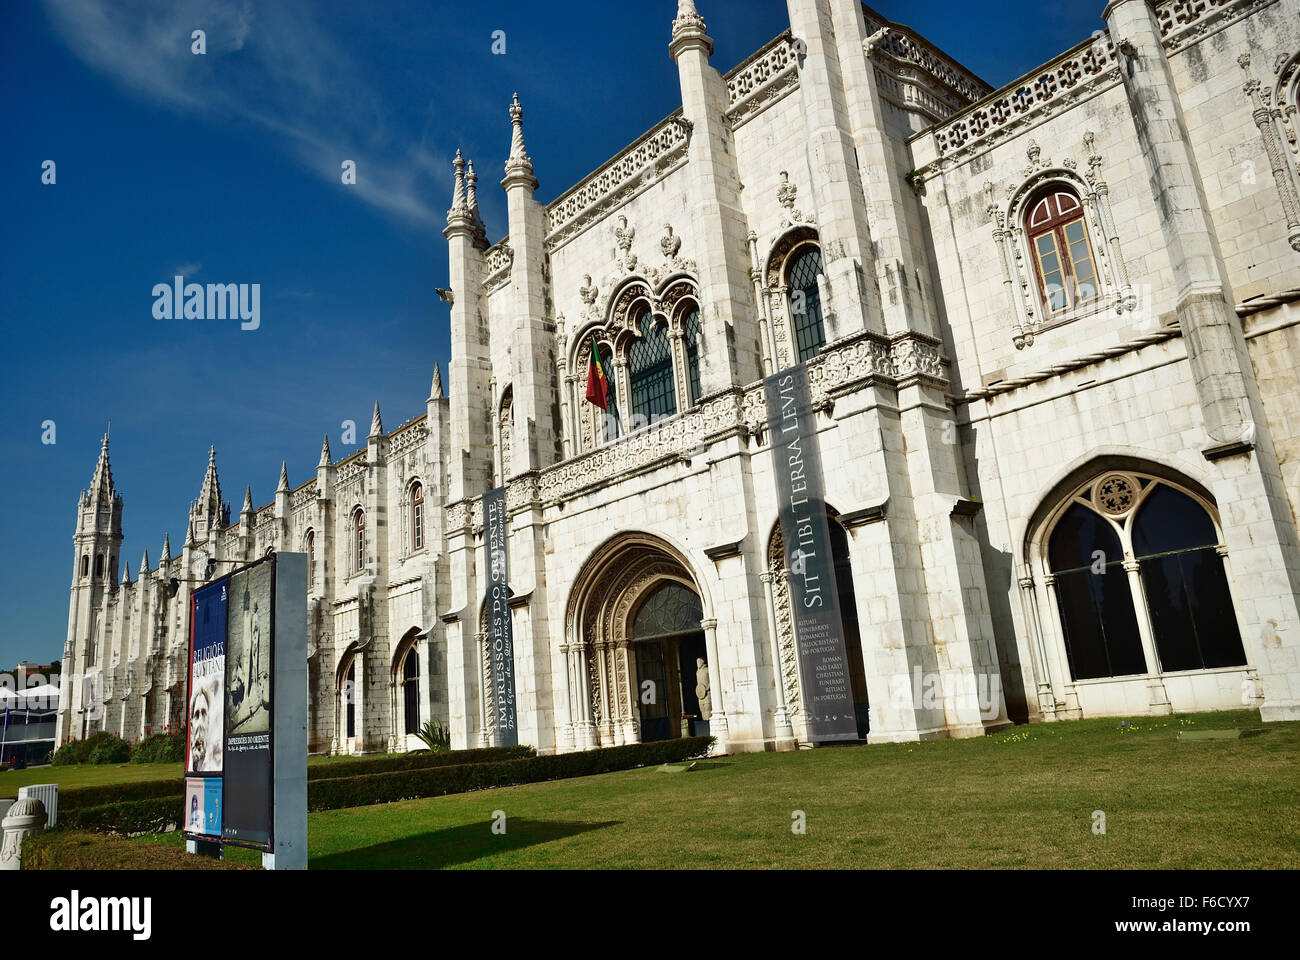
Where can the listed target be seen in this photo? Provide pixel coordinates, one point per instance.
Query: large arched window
(806, 301)
(691, 336)
(1063, 256)
(1132, 556)
(309, 542)
(417, 516)
(650, 373)
(358, 540)
(411, 691)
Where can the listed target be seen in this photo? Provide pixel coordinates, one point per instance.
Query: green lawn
(86, 775)
(1024, 798)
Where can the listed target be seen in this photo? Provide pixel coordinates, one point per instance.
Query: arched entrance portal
(638, 645)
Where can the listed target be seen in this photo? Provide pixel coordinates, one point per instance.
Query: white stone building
(1051, 334)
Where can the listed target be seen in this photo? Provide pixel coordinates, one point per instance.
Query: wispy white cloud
(187, 269)
(271, 64)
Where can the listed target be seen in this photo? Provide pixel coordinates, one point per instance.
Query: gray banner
(501, 643)
(815, 607)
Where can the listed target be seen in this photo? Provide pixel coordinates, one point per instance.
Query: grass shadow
(444, 848)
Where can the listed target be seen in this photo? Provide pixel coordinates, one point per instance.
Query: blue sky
(226, 167)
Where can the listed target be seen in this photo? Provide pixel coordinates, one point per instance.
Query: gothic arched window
(411, 691)
(1063, 256)
(650, 372)
(806, 302)
(310, 544)
(417, 516)
(1185, 584)
(358, 540)
(1132, 553)
(99, 565)
(691, 335)
(85, 564)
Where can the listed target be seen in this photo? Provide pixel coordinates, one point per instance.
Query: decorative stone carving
(623, 237)
(786, 195)
(1268, 119)
(25, 817)
(588, 292)
(669, 243)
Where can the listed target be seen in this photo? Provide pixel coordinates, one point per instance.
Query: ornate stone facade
(852, 196)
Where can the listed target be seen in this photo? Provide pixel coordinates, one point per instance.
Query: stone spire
(167, 550)
(376, 424)
(471, 186)
(325, 452)
(248, 500)
(189, 534)
(209, 502)
(459, 206)
(283, 486)
(519, 168)
(144, 563)
(435, 391)
(689, 28)
(126, 572)
(101, 484)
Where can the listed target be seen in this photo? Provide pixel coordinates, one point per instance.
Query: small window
(411, 691)
(1063, 257)
(350, 700)
(359, 540)
(417, 517)
(85, 565)
(806, 302)
(99, 566)
(311, 559)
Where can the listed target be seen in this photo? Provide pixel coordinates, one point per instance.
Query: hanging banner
(248, 706)
(814, 601)
(500, 638)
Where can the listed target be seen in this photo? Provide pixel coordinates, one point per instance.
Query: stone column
(718, 727)
(1157, 698)
(784, 731)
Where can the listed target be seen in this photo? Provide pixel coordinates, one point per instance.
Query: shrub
(435, 736)
(165, 747)
(357, 791)
(129, 818)
(101, 747)
(75, 850)
(412, 761)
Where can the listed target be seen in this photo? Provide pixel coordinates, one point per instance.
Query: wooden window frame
(1056, 224)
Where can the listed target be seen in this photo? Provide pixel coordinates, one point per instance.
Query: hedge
(461, 778)
(417, 760)
(75, 798)
(74, 850)
(163, 747)
(132, 817)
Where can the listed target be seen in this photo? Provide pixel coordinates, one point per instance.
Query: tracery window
(806, 302)
(1063, 256)
(1133, 555)
(650, 371)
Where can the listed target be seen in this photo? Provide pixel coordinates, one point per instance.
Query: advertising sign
(249, 705)
(205, 732)
(818, 629)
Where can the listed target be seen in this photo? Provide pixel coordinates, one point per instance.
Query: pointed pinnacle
(284, 478)
(435, 391)
(376, 423)
(167, 547)
(248, 500)
(144, 563)
(325, 452)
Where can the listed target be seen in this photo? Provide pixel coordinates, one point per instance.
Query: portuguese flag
(600, 387)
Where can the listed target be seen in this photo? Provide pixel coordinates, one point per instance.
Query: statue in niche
(702, 691)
